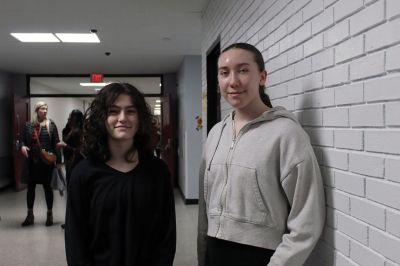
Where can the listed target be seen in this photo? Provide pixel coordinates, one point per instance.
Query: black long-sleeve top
(116, 218)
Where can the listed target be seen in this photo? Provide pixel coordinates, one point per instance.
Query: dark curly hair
(95, 137)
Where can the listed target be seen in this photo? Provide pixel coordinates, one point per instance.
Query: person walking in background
(261, 199)
(72, 141)
(120, 207)
(40, 133)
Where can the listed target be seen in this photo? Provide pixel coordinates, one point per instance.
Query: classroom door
(168, 146)
(21, 114)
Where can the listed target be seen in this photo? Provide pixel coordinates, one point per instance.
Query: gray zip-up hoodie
(263, 188)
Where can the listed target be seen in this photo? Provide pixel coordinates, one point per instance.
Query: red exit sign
(96, 77)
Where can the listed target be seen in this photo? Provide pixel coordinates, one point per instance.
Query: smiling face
(239, 78)
(122, 121)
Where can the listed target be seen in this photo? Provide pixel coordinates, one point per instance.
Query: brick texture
(336, 65)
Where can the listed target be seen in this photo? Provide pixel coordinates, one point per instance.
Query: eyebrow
(116, 106)
(239, 65)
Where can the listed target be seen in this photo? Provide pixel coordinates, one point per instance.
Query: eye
(131, 111)
(113, 111)
(243, 70)
(223, 73)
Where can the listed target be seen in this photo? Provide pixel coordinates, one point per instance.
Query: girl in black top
(72, 137)
(120, 208)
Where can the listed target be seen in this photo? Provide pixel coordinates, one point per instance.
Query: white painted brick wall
(392, 169)
(370, 115)
(368, 211)
(336, 117)
(312, 9)
(336, 75)
(349, 139)
(393, 222)
(366, 164)
(385, 244)
(344, 261)
(372, 65)
(392, 114)
(337, 239)
(353, 227)
(350, 94)
(338, 200)
(364, 256)
(351, 183)
(386, 88)
(381, 36)
(393, 58)
(338, 33)
(322, 21)
(370, 16)
(382, 141)
(393, 8)
(383, 192)
(335, 159)
(335, 64)
(349, 49)
(345, 8)
(314, 45)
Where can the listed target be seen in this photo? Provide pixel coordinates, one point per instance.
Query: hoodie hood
(270, 114)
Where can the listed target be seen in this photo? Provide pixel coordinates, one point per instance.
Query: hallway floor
(39, 245)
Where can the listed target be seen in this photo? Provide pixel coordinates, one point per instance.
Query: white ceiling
(143, 36)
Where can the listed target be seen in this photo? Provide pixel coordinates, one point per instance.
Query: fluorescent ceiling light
(35, 37)
(157, 105)
(93, 84)
(158, 101)
(78, 37)
(157, 112)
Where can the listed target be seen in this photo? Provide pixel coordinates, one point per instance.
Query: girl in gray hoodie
(261, 199)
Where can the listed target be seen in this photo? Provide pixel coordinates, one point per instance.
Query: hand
(61, 145)
(25, 150)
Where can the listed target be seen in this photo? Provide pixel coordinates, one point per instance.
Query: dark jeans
(48, 192)
(221, 252)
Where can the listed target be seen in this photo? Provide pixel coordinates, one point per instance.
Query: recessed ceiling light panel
(35, 37)
(78, 37)
(93, 84)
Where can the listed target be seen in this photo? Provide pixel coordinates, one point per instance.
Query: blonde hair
(35, 119)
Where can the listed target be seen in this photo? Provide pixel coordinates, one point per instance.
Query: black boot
(49, 221)
(30, 219)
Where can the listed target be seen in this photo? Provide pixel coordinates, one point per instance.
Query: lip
(234, 94)
(123, 127)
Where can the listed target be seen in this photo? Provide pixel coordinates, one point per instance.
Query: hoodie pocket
(213, 185)
(243, 197)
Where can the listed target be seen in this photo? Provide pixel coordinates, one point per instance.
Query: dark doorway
(21, 114)
(213, 95)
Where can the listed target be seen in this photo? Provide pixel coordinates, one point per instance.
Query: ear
(263, 77)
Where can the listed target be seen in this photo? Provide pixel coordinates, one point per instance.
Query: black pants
(221, 252)
(48, 192)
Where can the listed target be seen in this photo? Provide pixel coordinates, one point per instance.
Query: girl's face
(42, 112)
(122, 121)
(239, 78)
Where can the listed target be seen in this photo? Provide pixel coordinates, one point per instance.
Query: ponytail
(264, 97)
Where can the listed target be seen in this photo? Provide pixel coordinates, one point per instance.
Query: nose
(233, 79)
(122, 116)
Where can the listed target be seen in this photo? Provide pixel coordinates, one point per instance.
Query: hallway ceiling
(143, 36)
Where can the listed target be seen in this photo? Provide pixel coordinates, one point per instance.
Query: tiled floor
(39, 245)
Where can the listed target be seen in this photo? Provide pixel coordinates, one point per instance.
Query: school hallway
(39, 245)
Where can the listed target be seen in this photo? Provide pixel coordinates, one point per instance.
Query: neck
(250, 112)
(118, 149)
